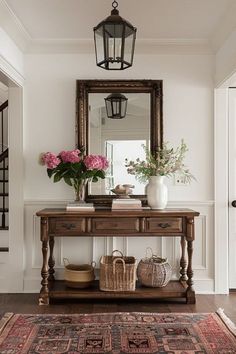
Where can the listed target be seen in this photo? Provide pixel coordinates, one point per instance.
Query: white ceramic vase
(157, 192)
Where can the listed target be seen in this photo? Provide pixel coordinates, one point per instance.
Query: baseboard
(3, 285)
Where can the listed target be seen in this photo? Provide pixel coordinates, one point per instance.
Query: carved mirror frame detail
(84, 87)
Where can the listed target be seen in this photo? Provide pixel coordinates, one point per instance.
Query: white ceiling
(68, 20)
(74, 19)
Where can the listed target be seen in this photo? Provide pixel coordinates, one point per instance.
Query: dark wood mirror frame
(84, 87)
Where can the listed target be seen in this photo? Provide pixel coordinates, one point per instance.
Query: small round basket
(79, 276)
(154, 272)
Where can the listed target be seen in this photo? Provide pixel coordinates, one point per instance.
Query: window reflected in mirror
(118, 139)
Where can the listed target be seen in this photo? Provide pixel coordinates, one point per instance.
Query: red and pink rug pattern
(116, 333)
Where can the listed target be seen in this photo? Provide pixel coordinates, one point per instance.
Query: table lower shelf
(174, 289)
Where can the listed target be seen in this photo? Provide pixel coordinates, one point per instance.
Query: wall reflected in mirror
(118, 139)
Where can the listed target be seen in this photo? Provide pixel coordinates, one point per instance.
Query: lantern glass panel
(98, 36)
(113, 45)
(129, 44)
(109, 108)
(123, 108)
(116, 108)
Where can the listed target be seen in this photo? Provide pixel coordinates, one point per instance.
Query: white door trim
(13, 280)
(232, 190)
(221, 148)
(7, 69)
(15, 275)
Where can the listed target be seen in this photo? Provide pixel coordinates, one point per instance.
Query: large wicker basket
(154, 272)
(117, 273)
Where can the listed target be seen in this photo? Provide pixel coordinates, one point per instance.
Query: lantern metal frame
(114, 40)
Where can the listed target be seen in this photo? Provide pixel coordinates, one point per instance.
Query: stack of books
(80, 207)
(126, 204)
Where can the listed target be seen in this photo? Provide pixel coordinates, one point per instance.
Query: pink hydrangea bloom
(104, 162)
(50, 160)
(70, 156)
(95, 162)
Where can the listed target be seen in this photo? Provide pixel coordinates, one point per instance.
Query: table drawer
(165, 225)
(67, 226)
(115, 225)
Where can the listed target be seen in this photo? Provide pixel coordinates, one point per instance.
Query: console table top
(105, 211)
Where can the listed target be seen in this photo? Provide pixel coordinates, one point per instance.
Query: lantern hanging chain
(114, 4)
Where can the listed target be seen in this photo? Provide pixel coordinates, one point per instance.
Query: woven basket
(117, 273)
(154, 272)
(78, 276)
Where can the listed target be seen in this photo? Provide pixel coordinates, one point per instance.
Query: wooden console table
(105, 223)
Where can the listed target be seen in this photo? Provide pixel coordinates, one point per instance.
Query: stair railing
(4, 167)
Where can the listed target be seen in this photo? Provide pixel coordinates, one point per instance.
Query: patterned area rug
(117, 333)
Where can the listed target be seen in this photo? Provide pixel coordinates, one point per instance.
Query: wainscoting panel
(88, 249)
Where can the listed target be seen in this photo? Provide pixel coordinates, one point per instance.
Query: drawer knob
(69, 226)
(164, 225)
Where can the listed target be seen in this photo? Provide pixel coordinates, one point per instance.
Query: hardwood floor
(28, 303)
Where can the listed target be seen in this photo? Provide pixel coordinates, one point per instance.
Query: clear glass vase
(79, 188)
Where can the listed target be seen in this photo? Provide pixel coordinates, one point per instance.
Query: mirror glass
(118, 139)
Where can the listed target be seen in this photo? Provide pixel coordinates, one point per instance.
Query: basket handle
(114, 264)
(121, 254)
(153, 256)
(66, 261)
(147, 250)
(93, 264)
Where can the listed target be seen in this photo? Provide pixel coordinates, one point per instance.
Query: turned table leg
(183, 261)
(190, 237)
(44, 292)
(51, 261)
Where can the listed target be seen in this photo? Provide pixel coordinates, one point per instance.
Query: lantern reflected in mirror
(116, 105)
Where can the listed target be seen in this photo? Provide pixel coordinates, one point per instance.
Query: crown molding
(10, 72)
(224, 29)
(22, 38)
(143, 46)
(173, 46)
(13, 26)
(60, 46)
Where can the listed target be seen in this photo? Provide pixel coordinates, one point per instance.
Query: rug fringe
(227, 321)
(5, 319)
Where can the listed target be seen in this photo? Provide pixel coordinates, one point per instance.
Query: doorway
(4, 182)
(12, 254)
(232, 188)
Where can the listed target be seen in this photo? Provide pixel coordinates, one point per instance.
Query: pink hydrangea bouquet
(75, 168)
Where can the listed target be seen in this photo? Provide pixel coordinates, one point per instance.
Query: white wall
(49, 121)
(50, 114)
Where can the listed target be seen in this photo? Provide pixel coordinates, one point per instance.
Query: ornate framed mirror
(117, 139)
